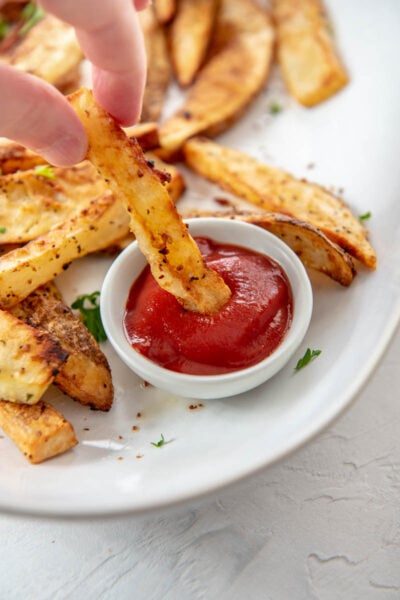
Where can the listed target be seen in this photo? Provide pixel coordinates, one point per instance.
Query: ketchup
(245, 331)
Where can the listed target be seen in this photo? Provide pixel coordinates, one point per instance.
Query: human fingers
(112, 40)
(37, 116)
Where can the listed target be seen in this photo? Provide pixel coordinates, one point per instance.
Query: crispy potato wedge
(165, 10)
(275, 190)
(86, 375)
(159, 68)
(174, 258)
(146, 134)
(314, 249)
(31, 204)
(39, 431)
(230, 79)
(38, 262)
(306, 51)
(190, 37)
(49, 50)
(29, 360)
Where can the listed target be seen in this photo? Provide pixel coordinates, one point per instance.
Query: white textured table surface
(324, 524)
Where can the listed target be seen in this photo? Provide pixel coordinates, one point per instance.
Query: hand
(35, 114)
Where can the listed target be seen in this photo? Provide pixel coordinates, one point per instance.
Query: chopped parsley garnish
(275, 108)
(4, 28)
(309, 355)
(3, 229)
(160, 443)
(89, 308)
(45, 171)
(365, 216)
(31, 15)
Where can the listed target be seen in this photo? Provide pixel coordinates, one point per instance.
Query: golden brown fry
(190, 37)
(146, 134)
(275, 190)
(39, 431)
(174, 180)
(49, 50)
(31, 204)
(313, 248)
(306, 51)
(29, 360)
(39, 261)
(86, 375)
(232, 77)
(159, 69)
(174, 258)
(165, 10)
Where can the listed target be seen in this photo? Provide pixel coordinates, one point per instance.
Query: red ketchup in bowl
(248, 328)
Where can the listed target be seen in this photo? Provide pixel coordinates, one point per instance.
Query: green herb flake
(365, 216)
(275, 108)
(4, 28)
(45, 171)
(3, 229)
(309, 355)
(89, 308)
(160, 442)
(31, 15)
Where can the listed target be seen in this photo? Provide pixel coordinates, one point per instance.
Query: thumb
(39, 117)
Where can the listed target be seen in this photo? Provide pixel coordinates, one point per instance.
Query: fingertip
(119, 94)
(66, 151)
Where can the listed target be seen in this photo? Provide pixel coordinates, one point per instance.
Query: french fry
(275, 190)
(159, 69)
(165, 10)
(86, 375)
(190, 37)
(49, 50)
(230, 79)
(313, 248)
(306, 51)
(31, 204)
(39, 431)
(29, 360)
(174, 258)
(96, 227)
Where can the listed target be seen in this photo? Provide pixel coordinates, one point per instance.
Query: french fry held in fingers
(29, 360)
(232, 77)
(275, 190)
(165, 10)
(173, 256)
(39, 430)
(190, 37)
(94, 228)
(159, 69)
(85, 376)
(306, 51)
(314, 249)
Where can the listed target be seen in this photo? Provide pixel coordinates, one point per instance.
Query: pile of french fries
(220, 52)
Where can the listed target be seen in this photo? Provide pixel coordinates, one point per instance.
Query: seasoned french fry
(190, 37)
(29, 360)
(49, 50)
(231, 78)
(39, 431)
(313, 248)
(31, 204)
(174, 258)
(86, 375)
(275, 190)
(39, 261)
(306, 51)
(165, 10)
(159, 69)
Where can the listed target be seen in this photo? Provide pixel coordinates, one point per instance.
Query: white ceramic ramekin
(129, 264)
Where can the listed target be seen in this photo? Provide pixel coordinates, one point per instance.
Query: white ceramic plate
(351, 142)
